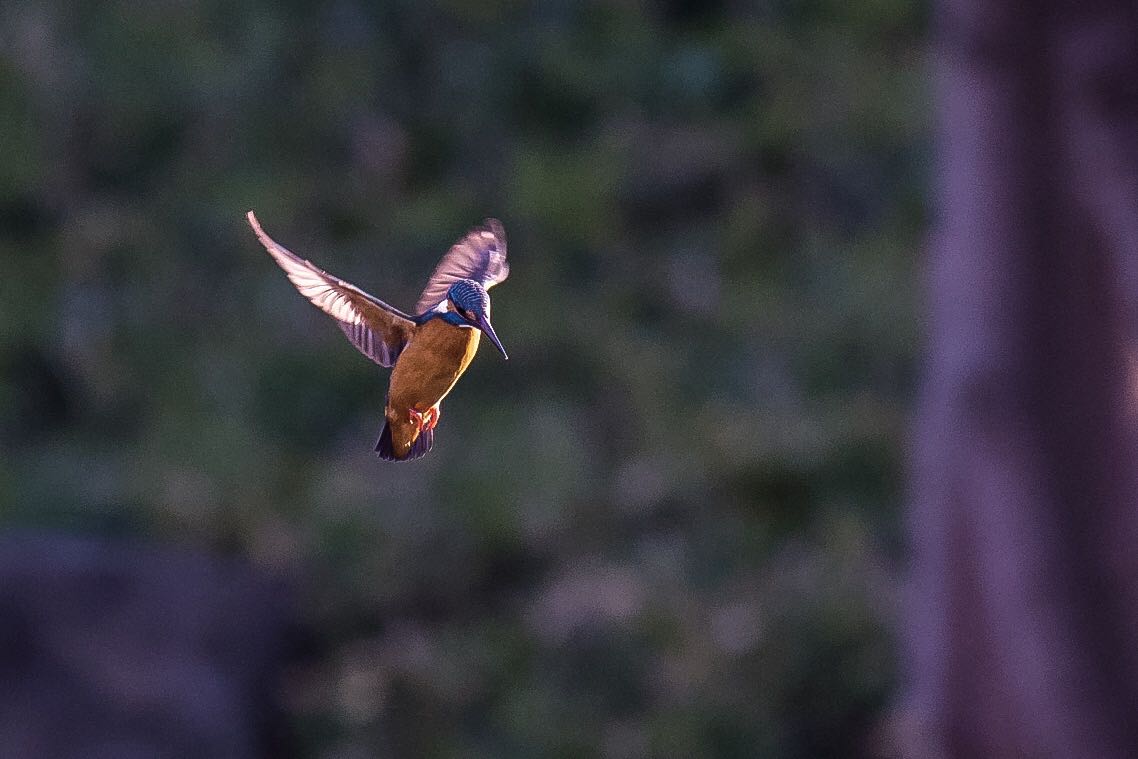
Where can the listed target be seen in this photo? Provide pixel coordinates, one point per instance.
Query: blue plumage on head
(468, 295)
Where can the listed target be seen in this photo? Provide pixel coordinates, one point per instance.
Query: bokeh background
(667, 526)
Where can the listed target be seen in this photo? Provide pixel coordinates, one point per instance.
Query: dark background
(669, 525)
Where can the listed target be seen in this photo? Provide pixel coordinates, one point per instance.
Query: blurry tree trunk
(1023, 622)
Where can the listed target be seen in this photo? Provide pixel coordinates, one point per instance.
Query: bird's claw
(424, 419)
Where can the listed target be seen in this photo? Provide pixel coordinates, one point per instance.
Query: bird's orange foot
(424, 419)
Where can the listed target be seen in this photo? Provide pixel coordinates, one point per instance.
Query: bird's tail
(421, 447)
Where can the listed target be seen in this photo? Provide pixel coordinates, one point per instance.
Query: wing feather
(480, 255)
(378, 330)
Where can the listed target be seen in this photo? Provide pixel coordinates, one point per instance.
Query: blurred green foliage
(667, 526)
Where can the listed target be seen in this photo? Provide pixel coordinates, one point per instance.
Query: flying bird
(429, 350)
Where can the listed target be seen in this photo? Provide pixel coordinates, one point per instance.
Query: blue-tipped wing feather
(480, 255)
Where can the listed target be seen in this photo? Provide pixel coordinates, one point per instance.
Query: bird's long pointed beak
(484, 325)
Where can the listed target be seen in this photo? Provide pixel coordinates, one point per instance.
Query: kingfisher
(428, 350)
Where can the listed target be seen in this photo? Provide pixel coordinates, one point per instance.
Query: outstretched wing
(378, 330)
(480, 255)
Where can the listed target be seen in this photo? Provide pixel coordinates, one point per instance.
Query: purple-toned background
(1023, 620)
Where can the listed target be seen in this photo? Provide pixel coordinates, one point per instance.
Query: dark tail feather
(421, 447)
(383, 447)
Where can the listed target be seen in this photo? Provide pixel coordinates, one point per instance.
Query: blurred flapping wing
(480, 255)
(378, 330)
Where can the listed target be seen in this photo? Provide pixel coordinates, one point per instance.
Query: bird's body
(429, 351)
(426, 371)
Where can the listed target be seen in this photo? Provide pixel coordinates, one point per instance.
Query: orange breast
(426, 371)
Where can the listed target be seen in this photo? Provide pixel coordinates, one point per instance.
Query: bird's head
(470, 301)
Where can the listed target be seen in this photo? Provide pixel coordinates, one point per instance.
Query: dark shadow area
(113, 649)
